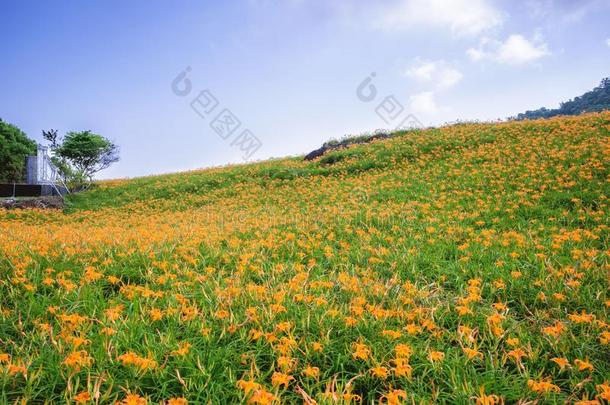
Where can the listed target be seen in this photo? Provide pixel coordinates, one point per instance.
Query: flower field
(463, 264)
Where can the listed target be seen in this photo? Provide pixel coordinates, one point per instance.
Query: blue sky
(288, 70)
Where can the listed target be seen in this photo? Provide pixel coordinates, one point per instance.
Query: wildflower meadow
(461, 264)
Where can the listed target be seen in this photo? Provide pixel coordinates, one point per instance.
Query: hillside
(448, 265)
(595, 100)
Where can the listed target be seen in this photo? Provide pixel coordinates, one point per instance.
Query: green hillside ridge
(461, 264)
(407, 145)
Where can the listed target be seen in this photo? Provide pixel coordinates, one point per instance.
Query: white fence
(42, 171)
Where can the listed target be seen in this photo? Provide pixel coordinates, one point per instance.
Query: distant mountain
(597, 99)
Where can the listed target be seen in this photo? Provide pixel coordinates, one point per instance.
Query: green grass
(500, 228)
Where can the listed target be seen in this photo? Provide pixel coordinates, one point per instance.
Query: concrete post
(32, 169)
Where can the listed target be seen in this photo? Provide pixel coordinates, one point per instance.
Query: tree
(15, 146)
(597, 99)
(79, 155)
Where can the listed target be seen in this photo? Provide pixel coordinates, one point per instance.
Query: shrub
(15, 146)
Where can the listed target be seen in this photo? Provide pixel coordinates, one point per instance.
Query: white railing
(46, 173)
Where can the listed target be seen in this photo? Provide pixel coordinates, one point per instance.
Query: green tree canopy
(597, 99)
(79, 155)
(15, 146)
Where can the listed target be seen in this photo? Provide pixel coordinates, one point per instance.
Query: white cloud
(608, 42)
(516, 50)
(423, 103)
(423, 71)
(475, 54)
(564, 11)
(463, 17)
(439, 73)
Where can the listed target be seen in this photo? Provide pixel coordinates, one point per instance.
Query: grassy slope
(408, 241)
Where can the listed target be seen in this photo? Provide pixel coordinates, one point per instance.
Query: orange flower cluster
(132, 359)
(467, 263)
